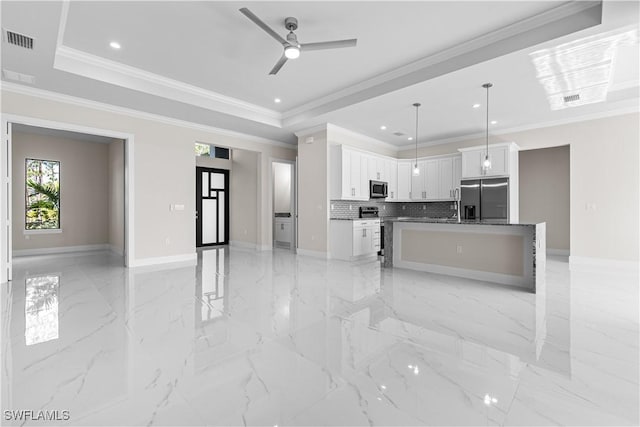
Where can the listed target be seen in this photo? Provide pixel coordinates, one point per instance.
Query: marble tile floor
(270, 338)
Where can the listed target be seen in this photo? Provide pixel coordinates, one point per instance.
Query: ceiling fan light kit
(291, 46)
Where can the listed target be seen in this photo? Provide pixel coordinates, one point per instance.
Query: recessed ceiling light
(277, 100)
(493, 122)
(383, 127)
(476, 106)
(115, 45)
(410, 138)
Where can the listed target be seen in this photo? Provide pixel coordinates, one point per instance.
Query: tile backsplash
(349, 209)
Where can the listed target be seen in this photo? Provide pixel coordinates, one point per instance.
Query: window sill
(43, 231)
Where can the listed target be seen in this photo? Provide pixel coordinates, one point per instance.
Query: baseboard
(239, 244)
(579, 262)
(116, 250)
(186, 259)
(265, 248)
(315, 254)
(60, 250)
(559, 252)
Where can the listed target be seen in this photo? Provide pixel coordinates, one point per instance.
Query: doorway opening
(67, 191)
(212, 207)
(284, 204)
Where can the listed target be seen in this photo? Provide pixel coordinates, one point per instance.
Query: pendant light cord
(417, 105)
(487, 134)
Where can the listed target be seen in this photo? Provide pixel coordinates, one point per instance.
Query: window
(209, 150)
(203, 149)
(42, 194)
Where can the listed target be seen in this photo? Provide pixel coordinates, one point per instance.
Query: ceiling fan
(291, 46)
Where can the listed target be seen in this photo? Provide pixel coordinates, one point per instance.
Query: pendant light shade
(416, 169)
(486, 164)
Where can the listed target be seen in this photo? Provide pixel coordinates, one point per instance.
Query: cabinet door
(457, 174)
(418, 183)
(391, 176)
(359, 241)
(354, 174)
(404, 180)
(371, 168)
(347, 190)
(472, 163)
(499, 157)
(380, 170)
(445, 174)
(432, 179)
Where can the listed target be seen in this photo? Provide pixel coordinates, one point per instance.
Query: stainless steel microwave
(377, 189)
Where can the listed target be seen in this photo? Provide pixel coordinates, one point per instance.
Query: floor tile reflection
(270, 338)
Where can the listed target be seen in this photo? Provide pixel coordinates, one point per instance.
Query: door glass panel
(217, 181)
(205, 184)
(209, 220)
(221, 201)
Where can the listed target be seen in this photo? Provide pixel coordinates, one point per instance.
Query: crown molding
(583, 118)
(436, 64)
(364, 138)
(82, 102)
(311, 130)
(98, 68)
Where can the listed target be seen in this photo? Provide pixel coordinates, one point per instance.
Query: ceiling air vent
(398, 134)
(572, 98)
(18, 39)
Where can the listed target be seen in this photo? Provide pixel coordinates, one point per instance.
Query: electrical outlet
(384, 207)
(459, 249)
(424, 207)
(403, 207)
(333, 206)
(167, 241)
(350, 207)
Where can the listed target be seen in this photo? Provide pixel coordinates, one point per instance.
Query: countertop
(429, 220)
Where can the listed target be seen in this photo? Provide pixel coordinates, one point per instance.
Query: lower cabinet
(355, 238)
(283, 232)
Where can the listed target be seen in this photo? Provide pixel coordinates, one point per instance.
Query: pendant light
(486, 165)
(416, 169)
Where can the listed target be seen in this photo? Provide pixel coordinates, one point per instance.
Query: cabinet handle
(281, 226)
(409, 194)
(392, 194)
(353, 191)
(378, 175)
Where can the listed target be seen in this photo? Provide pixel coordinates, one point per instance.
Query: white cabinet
(504, 159)
(418, 182)
(391, 176)
(348, 178)
(283, 232)
(404, 180)
(351, 239)
(432, 180)
(375, 168)
(449, 170)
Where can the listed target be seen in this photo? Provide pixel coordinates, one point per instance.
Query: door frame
(227, 183)
(6, 251)
(294, 200)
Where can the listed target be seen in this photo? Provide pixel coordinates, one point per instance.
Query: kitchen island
(494, 251)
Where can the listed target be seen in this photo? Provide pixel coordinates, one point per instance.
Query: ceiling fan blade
(246, 12)
(278, 65)
(329, 45)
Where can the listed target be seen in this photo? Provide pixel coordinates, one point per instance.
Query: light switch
(179, 207)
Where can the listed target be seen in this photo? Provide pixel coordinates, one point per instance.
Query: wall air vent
(572, 98)
(18, 39)
(18, 77)
(398, 134)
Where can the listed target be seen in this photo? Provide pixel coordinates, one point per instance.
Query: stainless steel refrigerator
(484, 199)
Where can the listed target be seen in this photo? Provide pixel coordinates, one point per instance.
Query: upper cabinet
(391, 176)
(404, 180)
(348, 174)
(504, 160)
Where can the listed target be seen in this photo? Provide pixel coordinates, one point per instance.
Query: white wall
(544, 192)
(603, 173)
(281, 187)
(84, 190)
(116, 195)
(164, 165)
(313, 194)
(243, 193)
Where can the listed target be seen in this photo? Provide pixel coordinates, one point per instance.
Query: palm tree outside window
(42, 194)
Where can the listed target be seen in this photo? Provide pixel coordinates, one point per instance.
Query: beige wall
(164, 165)
(212, 162)
(84, 189)
(115, 169)
(313, 194)
(243, 189)
(604, 161)
(544, 192)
